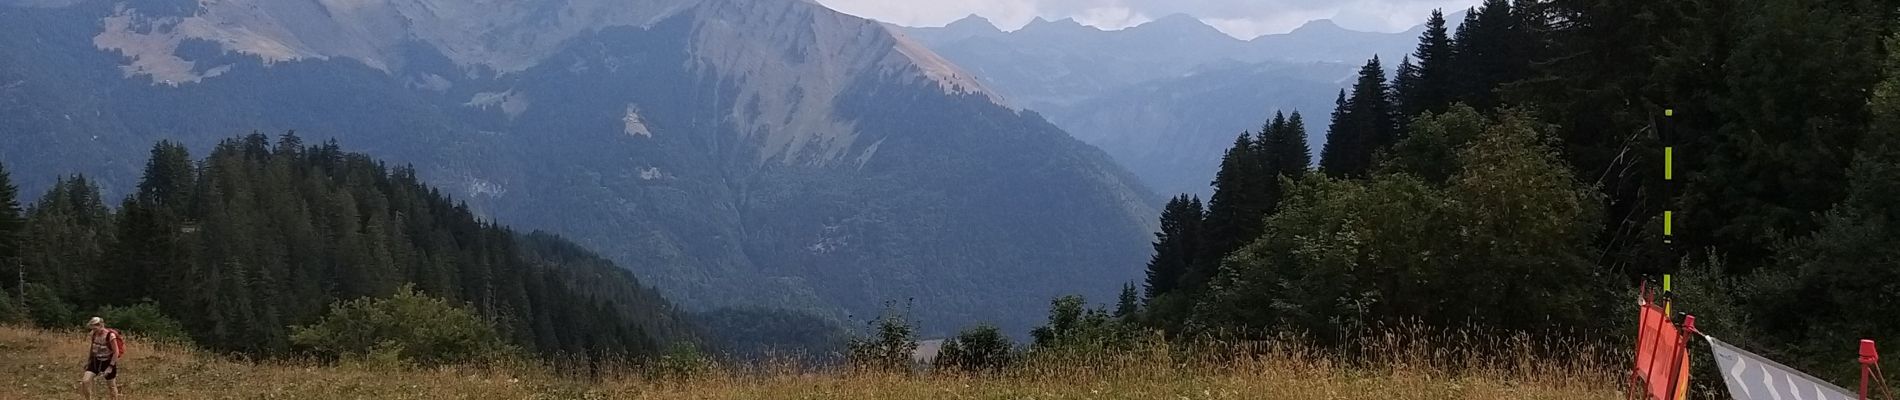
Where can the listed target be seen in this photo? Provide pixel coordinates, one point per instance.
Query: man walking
(103, 358)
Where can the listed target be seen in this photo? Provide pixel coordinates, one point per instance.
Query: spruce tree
(169, 177)
(69, 232)
(11, 227)
(1290, 148)
(1404, 83)
(1285, 157)
(1241, 193)
(1429, 89)
(1339, 140)
(1843, 278)
(1490, 52)
(1364, 127)
(1128, 303)
(1267, 150)
(1796, 109)
(1177, 246)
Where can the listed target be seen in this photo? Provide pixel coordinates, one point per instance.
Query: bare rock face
(733, 152)
(790, 58)
(501, 35)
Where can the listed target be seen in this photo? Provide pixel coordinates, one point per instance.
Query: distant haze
(1243, 19)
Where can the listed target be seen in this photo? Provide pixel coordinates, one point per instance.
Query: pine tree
(69, 232)
(1842, 279)
(169, 177)
(1404, 83)
(1128, 303)
(1339, 139)
(1177, 246)
(1268, 151)
(11, 221)
(1284, 156)
(1491, 51)
(1364, 127)
(1795, 111)
(1288, 150)
(1241, 190)
(1430, 87)
(256, 237)
(11, 226)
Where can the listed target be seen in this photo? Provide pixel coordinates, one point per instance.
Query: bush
(47, 310)
(1074, 327)
(407, 328)
(1498, 234)
(890, 348)
(682, 360)
(10, 310)
(983, 348)
(145, 320)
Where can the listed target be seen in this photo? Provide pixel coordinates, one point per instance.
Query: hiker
(103, 358)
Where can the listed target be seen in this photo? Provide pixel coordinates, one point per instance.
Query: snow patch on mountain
(635, 125)
(653, 173)
(510, 102)
(478, 187)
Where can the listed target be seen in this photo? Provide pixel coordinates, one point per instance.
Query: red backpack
(118, 343)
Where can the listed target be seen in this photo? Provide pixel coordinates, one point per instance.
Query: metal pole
(1666, 132)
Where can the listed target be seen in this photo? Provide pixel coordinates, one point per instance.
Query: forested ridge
(261, 236)
(1509, 177)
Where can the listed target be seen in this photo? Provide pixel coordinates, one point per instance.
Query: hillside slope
(255, 238)
(733, 153)
(1165, 98)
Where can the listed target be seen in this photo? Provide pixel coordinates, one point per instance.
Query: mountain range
(734, 153)
(1165, 98)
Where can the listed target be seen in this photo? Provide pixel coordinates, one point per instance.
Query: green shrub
(890, 348)
(10, 310)
(983, 348)
(1074, 327)
(406, 328)
(145, 320)
(47, 310)
(682, 360)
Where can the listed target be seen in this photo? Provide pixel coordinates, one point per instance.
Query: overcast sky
(1241, 18)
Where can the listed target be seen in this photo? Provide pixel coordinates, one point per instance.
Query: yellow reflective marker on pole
(1668, 302)
(1669, 163)
(1669, 226)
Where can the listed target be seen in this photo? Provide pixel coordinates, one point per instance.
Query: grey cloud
(1239, 17)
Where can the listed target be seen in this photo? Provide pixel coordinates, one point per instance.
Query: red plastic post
(1868, 356)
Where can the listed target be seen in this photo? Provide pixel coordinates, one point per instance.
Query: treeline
(261, 236)
(1510, 178)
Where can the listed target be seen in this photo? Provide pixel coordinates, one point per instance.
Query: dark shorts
(103, 368)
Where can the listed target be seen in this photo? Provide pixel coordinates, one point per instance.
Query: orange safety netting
(1662, 358)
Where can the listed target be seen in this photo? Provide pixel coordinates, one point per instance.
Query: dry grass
(41, 365)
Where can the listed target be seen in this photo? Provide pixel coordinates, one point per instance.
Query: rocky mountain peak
(1319, 26)
(504, 36)
(973, 23)
(795, 58)
(1181, 27)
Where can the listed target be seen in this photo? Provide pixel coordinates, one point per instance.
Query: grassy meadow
(36, 364)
